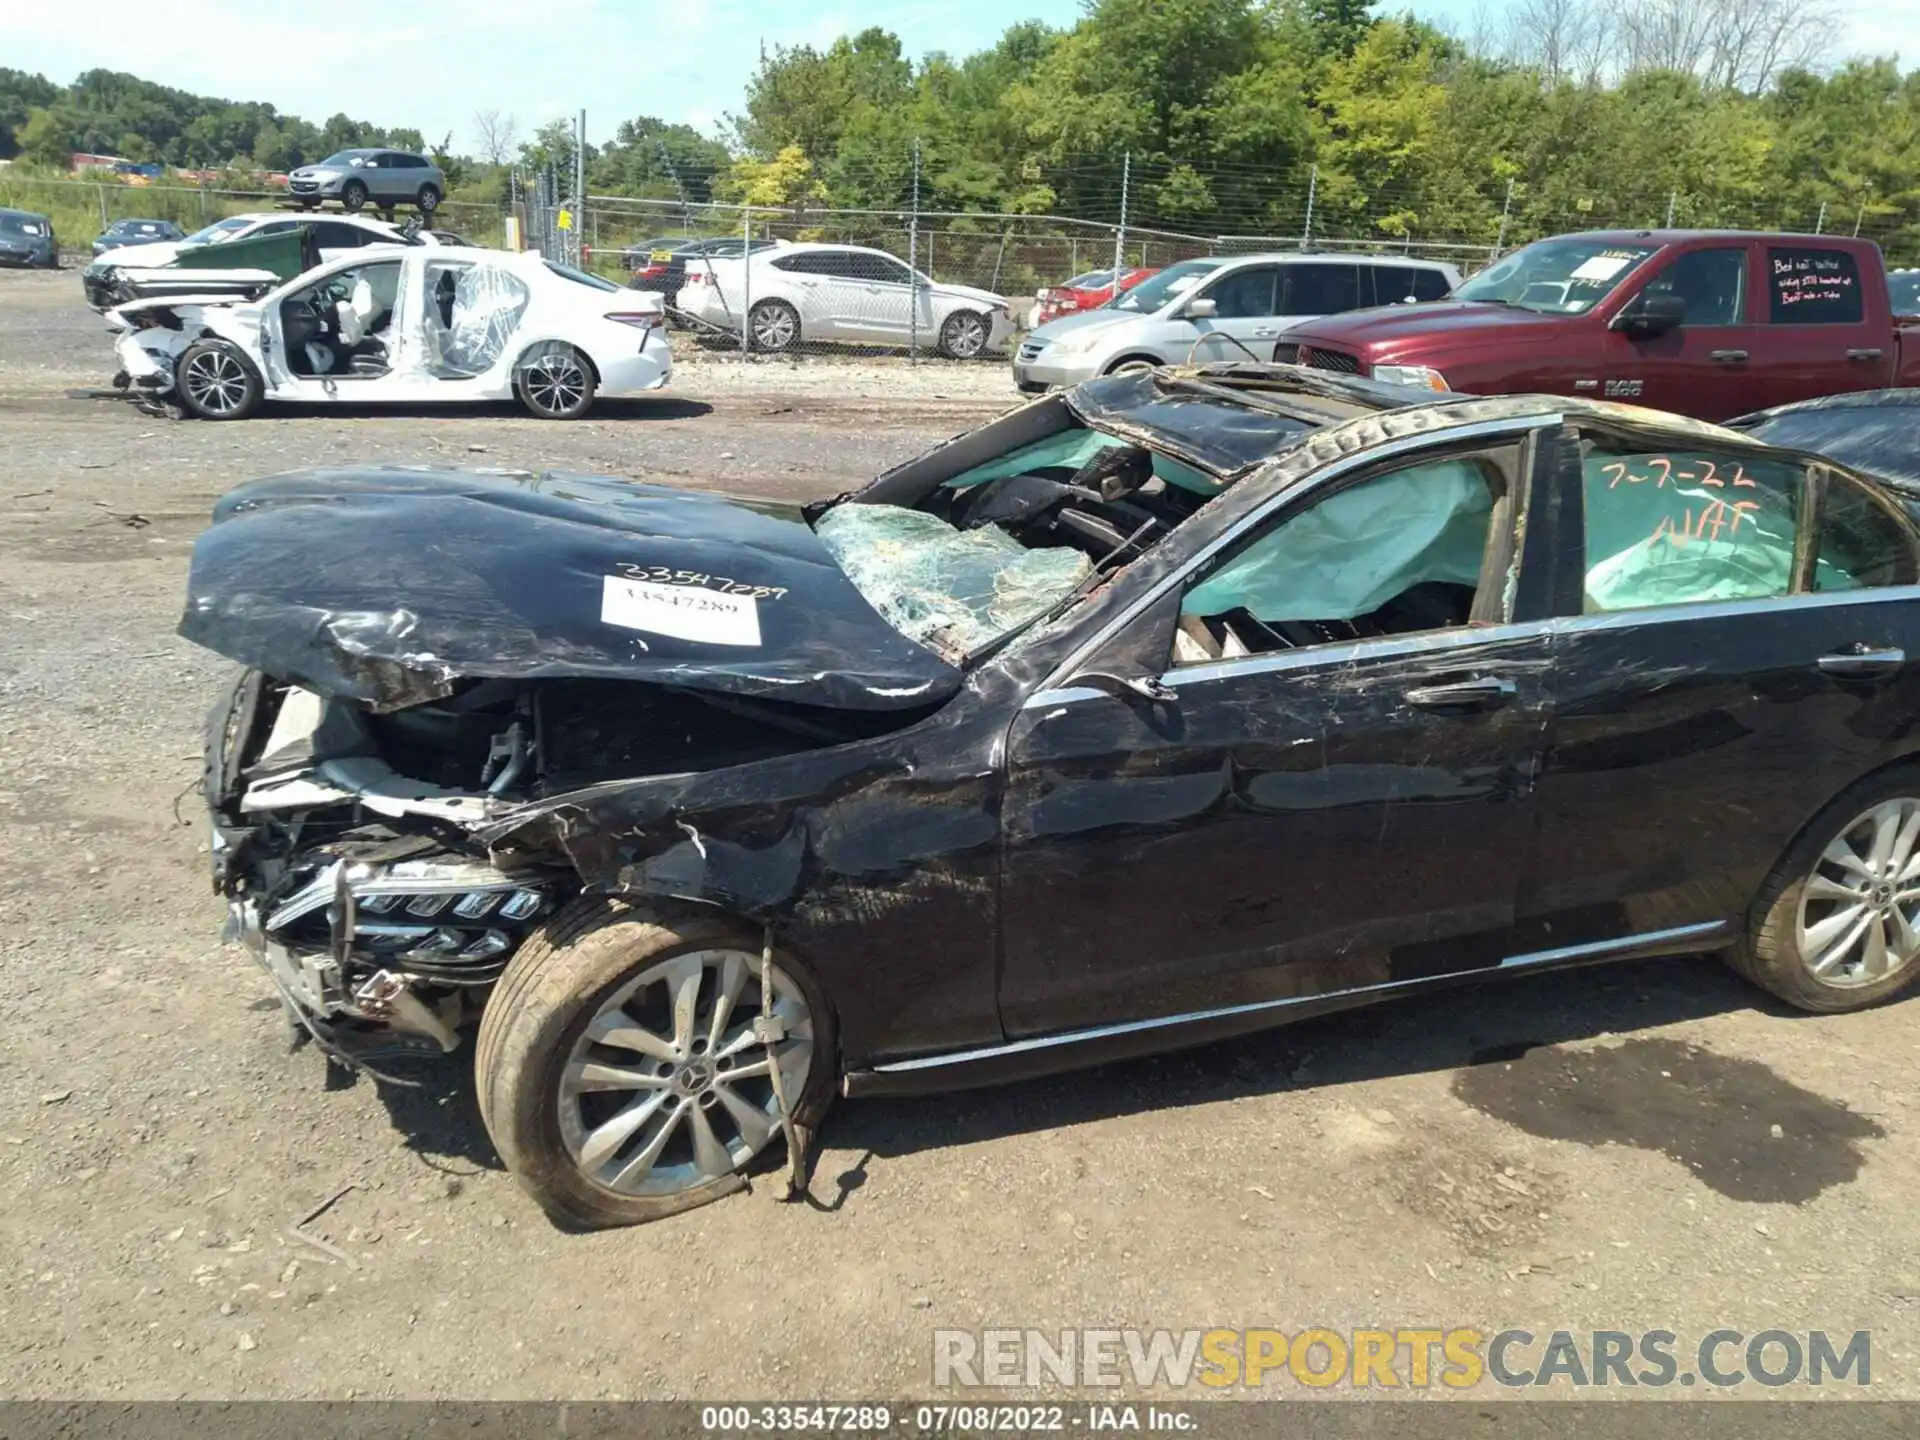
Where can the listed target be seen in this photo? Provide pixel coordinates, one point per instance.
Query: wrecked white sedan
(401, 327)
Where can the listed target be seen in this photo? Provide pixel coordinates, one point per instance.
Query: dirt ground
(1637, 1147)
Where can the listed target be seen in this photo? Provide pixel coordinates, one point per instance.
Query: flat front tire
(619, 1070)
(1836, 925)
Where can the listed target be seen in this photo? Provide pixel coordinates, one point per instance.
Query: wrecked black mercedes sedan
(1177, 706)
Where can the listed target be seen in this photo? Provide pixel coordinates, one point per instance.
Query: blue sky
(433, 63)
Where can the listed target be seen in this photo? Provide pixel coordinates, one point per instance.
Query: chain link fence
(906, 276)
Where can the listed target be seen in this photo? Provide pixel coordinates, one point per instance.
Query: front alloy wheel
(668, 1088)
(621, 1067)
(215, 381)
(964, 335)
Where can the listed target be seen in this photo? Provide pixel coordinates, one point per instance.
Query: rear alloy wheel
(428, 199)
(964, 335)
(216, 381)
(555, 383)
(353, 195)
(619, 1067)
(774, 326)
(1837, 925)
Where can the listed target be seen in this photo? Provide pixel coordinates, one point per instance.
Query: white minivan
(1219, 308)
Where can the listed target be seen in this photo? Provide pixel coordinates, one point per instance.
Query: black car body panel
(1877, 431)
(1073, 846)
(388, 585)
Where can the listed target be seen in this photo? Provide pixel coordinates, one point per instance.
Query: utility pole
(1313, 187)
(1860, 218)
(1673, 201)
(1820, 225)
(913, 264)
(1120, 235)
(1506, 209)
(580, 192)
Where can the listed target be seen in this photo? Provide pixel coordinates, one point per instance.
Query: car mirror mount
(1150, 688)
(1650, 313)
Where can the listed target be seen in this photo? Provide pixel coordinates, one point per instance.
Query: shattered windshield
(1171, 283)
(1560, 277)
(950, 590)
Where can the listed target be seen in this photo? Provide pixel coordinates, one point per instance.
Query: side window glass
(1392, 284)
(1394, 554)
(1245, 294)
(1713, 283)
(1320, 289)
(1811, 286)
(331, 235)
(1430, 284)
(1677, 527)
(1859, 543)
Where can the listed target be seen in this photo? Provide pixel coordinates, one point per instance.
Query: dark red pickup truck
(1705, 323)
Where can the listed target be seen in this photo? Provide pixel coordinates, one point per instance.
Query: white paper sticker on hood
(685, 612)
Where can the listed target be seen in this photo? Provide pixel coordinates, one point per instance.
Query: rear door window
(1319, 288)
(1812, 285)
(1680, 527)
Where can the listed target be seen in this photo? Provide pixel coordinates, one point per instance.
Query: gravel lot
(1638, 1147)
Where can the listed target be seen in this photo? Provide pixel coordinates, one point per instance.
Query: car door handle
(1867, 354)
(1480, 694)
(1265, 332)
(1727, 357)
(1860, 662)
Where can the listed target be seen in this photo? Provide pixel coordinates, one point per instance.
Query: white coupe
(404, 326)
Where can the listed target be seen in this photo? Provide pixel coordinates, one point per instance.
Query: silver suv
(386, 177)
(1231, 308)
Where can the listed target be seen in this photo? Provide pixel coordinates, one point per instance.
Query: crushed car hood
(390, 585)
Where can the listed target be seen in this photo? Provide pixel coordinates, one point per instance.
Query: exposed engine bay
(344, 838)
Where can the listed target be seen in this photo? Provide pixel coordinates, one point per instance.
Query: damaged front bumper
(393, 946)
(379, 937)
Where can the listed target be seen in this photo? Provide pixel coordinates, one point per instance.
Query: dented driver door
(1259, 829)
